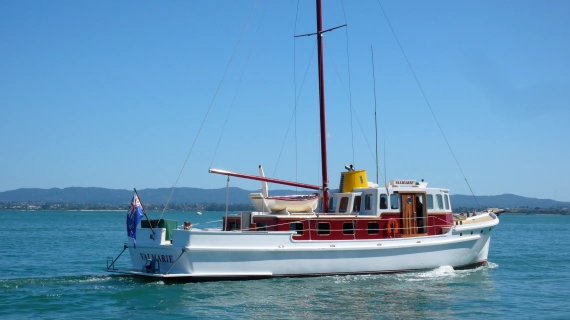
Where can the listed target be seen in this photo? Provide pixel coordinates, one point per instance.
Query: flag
(134, 215)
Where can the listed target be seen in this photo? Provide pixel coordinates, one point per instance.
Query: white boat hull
(203, 255)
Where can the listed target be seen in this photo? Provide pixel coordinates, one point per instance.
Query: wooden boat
(361, 229)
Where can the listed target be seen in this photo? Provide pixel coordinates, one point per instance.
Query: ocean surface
(52, 266)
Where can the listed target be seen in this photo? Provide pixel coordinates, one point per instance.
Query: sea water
(52, 266)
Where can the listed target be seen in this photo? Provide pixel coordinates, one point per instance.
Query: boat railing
(441, 223)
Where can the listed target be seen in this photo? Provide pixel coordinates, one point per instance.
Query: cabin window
(296, 226)
(430, 201)
(395, 201)
(383, 201)
(232, 225)
(373, 228)
(356, 206)
(343, 205)
(323, 228)
(262, 226)
(348, 228)
(439, 201)
(367, 202)
(332, 204)
(446, 202)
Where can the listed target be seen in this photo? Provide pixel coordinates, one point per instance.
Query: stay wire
(427, 102)
(209, 108)
(239, 84)
(330, 58)
(375, 113)
(293, 115)
(349, 86)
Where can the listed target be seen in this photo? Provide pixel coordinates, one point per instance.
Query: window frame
(439, 201)
(368, 201)
(430, 201)
(320, 231)
(343, 204)
(385, 196)
(371, 230)
(299, 232)
(397, 197)
(348, 231)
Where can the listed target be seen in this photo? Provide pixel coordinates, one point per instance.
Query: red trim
(266, 179)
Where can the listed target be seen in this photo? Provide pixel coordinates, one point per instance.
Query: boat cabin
(362, 210)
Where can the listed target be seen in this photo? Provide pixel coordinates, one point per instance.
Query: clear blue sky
(112, 93)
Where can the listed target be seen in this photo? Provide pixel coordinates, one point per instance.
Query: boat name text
(159, 257)
(405, 182)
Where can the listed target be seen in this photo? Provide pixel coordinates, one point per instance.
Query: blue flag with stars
(134, 216)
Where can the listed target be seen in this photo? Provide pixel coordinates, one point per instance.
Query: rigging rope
(295, 88)
(209, 108)
(427, 102)
(330, 57)
(238, 86)
(293, 115)
(349, 87)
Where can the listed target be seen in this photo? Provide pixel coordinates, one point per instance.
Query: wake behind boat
(364, 228)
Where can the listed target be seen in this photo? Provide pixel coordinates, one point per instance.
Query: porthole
(461, 234)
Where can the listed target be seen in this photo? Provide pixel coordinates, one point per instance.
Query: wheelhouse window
(356, 206)
(296, 226)
(343, 206)
(446, 202)
(332, 204)
(430, 201)
(367, 202)
(373, 228)
(383, 201)
(348, 228)
(439, 201)
(323, 228)
(395, 201)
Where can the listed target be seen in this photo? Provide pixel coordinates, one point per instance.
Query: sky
(123, 94)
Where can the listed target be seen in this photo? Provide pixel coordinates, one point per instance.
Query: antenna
(375, 117)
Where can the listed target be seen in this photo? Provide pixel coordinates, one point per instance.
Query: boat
(363, 228)
(199, 213)
(299, 203)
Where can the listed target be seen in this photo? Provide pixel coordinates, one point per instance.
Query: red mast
(322, 108)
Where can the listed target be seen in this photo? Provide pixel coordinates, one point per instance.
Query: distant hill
(235, 196)
(506, 200)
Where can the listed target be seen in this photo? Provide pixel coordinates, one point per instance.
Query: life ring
(392, 227)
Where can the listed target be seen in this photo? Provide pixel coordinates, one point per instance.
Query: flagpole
(144, 211)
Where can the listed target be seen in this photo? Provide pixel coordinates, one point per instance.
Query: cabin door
(408, 217)
(413, 213)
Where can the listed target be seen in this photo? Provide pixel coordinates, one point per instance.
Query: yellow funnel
(351, 180)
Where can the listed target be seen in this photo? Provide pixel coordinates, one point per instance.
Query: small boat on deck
(302, 203)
